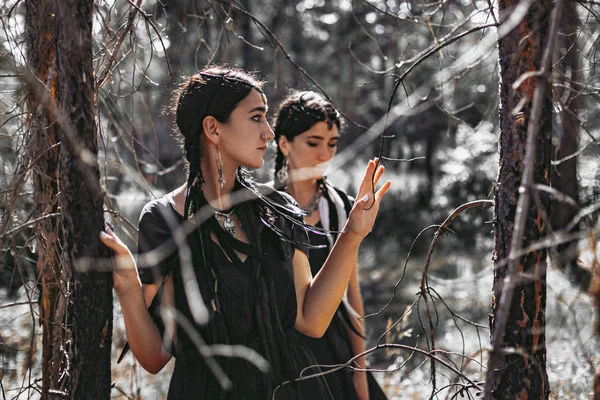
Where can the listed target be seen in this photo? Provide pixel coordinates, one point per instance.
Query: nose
(324, 153)
(270, 135)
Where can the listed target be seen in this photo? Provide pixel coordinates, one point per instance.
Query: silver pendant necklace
(313, 203)
(228, 222)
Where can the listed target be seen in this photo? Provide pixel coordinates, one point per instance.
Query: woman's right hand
(125, 274)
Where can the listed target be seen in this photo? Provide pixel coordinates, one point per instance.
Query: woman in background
(307, 129)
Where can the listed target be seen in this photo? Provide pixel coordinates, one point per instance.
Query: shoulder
(158, 215)
(154, 209)
(155, 206)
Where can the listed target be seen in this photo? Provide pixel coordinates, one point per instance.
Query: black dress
(236, 310)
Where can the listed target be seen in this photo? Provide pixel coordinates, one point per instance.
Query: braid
(193, 154)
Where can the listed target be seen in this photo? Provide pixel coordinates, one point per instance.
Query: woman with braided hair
(307, 129)
(226, 259)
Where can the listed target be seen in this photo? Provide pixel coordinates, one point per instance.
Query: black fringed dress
(252, 302)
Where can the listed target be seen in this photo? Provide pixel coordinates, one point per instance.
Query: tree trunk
(88, 299)
(521, 372)
(40, 21)
(75, 307)
(567, 79)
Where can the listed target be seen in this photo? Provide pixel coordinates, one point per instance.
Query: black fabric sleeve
(156, 248)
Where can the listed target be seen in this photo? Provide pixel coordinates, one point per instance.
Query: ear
(209, 128)
(284, 145)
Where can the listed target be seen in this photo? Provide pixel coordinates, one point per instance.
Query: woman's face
(244, 136)
(310, 152)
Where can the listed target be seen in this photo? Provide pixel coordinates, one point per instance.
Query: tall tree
(517, 366)
(44, 148)
(81, 203)
(76, 300)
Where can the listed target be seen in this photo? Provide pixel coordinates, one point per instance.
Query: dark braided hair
(297, 114)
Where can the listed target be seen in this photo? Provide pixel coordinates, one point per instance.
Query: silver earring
(282, 174)
(220, 168)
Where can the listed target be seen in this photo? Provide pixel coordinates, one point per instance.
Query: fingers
(383, 190)
(363, 202)
(378, 173)
(109, 241)
(366, 184)
(112, 241)
(373, 174)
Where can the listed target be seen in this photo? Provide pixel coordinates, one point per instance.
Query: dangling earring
(282, 174)
(220, 168)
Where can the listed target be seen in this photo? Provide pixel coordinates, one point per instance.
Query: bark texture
(81, 203)
(76, 300)
(43, 149)
(522, 370)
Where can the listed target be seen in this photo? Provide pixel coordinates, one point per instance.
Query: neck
(303, 190)
(218, 197)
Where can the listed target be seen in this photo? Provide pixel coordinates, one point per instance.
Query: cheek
(332, 152)
(301, 156)
(315, 153)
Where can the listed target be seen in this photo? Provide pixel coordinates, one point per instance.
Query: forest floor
(573, 353)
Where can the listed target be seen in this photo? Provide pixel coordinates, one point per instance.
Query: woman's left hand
(363, 214)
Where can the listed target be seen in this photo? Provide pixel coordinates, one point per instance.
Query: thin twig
(104, 76)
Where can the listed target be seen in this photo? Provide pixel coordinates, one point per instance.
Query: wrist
(351, 237)
(128, 287)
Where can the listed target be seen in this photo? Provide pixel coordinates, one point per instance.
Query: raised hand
(363, 214)
(125, 274)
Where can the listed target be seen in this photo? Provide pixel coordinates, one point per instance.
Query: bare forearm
(319, 297)
(354, 295)
(357, 344)
(327, 288)
(142, 334)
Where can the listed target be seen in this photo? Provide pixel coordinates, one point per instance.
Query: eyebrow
(259, 108)
(322, 138)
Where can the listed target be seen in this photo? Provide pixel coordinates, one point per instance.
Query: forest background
(418, 83)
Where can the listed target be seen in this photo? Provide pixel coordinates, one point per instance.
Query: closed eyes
(312, 144)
